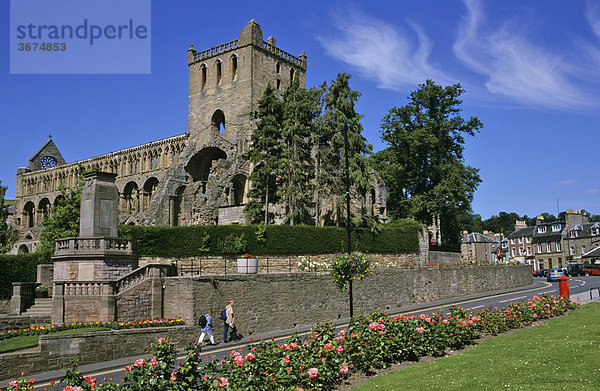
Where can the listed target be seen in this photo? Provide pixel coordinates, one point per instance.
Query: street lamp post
(324, 141)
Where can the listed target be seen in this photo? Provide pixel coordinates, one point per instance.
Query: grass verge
(561, 354)
(29, 341)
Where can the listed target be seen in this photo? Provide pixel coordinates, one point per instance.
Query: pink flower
(535, 315)
(340, 349)
(153, 362)
(173, 376)
(139, 363)
(420, 330)
(313, 372)
(286, 359)
(223, 382)
(328, 345)
(288, 369)
(323, 359)
(238, 360)
(127, 368)
(344, 368)
(162, 340)
(250, 357)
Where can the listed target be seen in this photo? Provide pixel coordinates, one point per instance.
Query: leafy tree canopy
(423, 165)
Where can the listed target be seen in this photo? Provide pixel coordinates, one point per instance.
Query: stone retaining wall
(265, 302)
(13, 322)
(4, 306)
(56, 351)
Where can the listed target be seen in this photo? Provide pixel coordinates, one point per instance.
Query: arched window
(278, 84)
(177, 206)
(28, 215)
(278, 68)
(23, 249)
(203, 75)
(234, 67)
(43, 209)
(149, 189)
(218, 66)
(291, 75)
(239, 185)
(217, 121)
(130, 198)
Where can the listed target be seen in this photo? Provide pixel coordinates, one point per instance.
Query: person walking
(206, 329)
(229, 324)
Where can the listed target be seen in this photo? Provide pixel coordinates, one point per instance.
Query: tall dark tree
(296, 157)
(423, 165)
(266, 154)
(339, 116)
(4, 228)
(63, 221)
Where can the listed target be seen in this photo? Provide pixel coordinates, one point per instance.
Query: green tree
(62, 222)
(423, 165)
(5, 230)
(297, 164)
(339, 116)
(265, 153)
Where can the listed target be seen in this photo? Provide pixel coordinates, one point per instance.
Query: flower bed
(112, 325)
(324, 359)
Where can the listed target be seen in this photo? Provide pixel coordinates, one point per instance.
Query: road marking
(479, 306)
(513, 299)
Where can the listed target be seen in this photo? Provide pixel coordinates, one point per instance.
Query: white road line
(513, 299)
(472, 308)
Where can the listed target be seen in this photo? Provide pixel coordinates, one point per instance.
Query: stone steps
(41, 306)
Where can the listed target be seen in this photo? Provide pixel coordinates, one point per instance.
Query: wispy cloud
(592, 14)
(567, 182)
(514, 66)
(592, 191)
(394, 58)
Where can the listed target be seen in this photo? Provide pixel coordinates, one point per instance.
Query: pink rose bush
(324, 358)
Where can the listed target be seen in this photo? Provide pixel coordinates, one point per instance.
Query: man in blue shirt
(207, 330)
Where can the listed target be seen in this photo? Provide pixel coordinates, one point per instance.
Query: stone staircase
(41, 307)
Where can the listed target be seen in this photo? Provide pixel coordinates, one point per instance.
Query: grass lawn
(28, 341)
(562, 354)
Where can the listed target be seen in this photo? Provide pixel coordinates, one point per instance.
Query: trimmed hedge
(17, 268)
(397, 237)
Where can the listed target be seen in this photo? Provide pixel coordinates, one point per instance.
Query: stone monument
(87, 268)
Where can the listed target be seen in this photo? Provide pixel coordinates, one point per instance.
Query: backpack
(224, 314)
(202, 321)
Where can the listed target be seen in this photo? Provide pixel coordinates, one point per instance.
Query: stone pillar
(99, 205)
(58, 305)
(156, 298)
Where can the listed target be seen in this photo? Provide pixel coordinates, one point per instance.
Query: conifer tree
(297, 163)
(265, 153)
(4, 229)
(340, 116)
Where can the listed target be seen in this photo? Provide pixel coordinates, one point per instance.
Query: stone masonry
(199, 177)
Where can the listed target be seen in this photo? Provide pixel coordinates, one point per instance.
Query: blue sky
(531, 71)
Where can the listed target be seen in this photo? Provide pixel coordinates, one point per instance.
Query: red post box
(563, 286)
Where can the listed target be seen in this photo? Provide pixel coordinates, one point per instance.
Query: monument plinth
(87, 267)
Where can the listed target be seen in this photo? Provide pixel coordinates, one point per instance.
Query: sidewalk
(587, 297)
(121, 362)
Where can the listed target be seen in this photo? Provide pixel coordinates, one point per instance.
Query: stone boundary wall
(55, 351)
(266, 302)
(4, 306)
(13, 322)
(444, 257)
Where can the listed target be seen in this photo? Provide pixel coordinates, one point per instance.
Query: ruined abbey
(199, 177)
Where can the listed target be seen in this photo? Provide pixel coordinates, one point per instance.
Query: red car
(590, 270)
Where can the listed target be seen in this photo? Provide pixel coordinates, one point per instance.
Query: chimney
(539, 220)
(520, 224)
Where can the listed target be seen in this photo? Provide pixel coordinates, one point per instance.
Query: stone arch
(43, 208)
(217, 121)
(234, 66)
(149, 189)
(131, 200)
(23, 249)
(57, 199)
(203, 75)
(202, 163)
(238, 187)
(218, 70)
(29, 214)
(372, 201)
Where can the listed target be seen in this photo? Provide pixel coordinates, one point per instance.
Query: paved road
(577, 285)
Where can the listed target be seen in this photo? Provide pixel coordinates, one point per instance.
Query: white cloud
(514, 66)
(379, 51)
(592, 14)
(592, 191)
(567, 182)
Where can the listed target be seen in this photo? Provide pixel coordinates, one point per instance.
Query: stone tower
(225, 84)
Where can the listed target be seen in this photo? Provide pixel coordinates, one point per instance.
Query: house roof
(476, 237)
(527, 231)
(549, 232)
(593, 253)
(584, 230)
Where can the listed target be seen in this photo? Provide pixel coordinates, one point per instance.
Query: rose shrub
(324, 358)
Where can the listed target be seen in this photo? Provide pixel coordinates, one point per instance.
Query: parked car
(538, 273)
(554, 273)
(590, 270)
(574, 269)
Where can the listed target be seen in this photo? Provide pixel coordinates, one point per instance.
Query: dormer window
(573, 234)
(542, 229)
(555, 227)
(595, 230)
